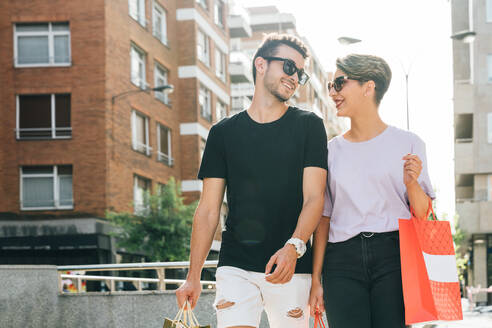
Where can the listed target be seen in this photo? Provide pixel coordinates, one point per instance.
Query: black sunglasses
(290, 68)
(338, 83)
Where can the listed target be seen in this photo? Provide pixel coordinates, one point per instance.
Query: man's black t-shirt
(263, 168)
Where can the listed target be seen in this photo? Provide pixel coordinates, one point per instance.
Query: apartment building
(247, 29)
(84, 133)
(472, 64)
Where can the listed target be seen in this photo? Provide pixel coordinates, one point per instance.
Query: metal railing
(159, 267)
(43, 133)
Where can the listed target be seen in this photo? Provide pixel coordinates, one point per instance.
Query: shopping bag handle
(430, 209)
(189, 316)
(318, 319)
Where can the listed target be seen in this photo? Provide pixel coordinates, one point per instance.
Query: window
(489, 128)
(137, 11)
(220, 69)
(464, 128)
(203, 3)
(164, 144)
(43, 117)
(489, 68)
(160, 79)
(159, 23)
(219, 13)
(489, 11)
(203, 47)
(42, 44)
(140, 133)
(138, 67)
(141, 190)
(46, 187)
(220, 110)
(205, 107)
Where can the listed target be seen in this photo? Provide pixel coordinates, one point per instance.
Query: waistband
(366, 234)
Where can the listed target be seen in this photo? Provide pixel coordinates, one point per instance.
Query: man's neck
(266, 109)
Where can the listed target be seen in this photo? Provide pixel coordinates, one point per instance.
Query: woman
(376, 173)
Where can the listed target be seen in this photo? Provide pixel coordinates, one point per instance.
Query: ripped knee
(223, 304)
(295, 313)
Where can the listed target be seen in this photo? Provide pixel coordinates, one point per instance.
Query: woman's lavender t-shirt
(365, 189)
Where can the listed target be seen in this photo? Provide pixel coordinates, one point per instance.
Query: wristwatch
(299, 245)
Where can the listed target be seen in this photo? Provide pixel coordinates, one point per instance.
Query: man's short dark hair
(272, 41)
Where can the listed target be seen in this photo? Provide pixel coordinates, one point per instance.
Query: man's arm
(205, 223)
(313, 188)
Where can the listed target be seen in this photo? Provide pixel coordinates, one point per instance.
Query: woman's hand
(411, 169)
(316, 302)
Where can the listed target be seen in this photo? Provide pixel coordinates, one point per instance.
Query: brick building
(81, 132)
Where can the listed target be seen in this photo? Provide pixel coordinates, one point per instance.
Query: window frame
(220, 65)
(162, 96)
(208, 98)
(142, 59)
(147, 150)
(162, 157)
(140, 17)
(53, 127)
(158, 10)
(51, 45)
(56, 188)
(203, 4)
(205, 56)
(219, 5)
(218, 104)
(142, 210)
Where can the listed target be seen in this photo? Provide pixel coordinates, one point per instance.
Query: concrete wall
(29, 298)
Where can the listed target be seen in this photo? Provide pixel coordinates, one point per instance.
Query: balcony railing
(481, 195)
(143, 148)
(159, 267)
(43, 133)
(165, 158)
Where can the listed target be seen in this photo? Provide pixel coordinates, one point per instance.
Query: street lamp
(345, 40)
(465, 36)
(168, 87)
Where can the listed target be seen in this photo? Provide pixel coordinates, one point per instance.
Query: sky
(413, 36)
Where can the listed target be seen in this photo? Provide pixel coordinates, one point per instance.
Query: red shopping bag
(431, 289)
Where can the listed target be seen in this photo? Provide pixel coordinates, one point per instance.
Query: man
(272, 159)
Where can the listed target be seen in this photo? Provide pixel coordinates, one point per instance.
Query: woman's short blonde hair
(367, 68)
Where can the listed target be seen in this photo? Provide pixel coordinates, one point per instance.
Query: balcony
(464, 154)
(242, 90)
(239, 25)
(240, 103)
(272, 21)
(240, 68)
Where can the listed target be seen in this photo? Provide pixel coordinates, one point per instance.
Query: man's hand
(286, 260)
(189, 291)
(316, 302)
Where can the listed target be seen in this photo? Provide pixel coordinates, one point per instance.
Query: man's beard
(273, 89)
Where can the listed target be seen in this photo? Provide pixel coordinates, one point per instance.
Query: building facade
(472, 64)
(82, 131)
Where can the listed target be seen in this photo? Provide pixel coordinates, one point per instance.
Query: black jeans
(362, 282)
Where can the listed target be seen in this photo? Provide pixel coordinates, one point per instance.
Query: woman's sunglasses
(290, 68)
(338, 83)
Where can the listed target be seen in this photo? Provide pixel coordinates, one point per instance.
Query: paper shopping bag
(431, 289)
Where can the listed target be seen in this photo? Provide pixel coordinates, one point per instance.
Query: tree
(161, 229)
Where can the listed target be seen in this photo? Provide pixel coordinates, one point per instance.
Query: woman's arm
(419, 201)
(320, 238)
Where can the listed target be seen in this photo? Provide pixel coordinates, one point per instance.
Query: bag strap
(179, 315)
(190, 318)
(318, 319)
(429, 210)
